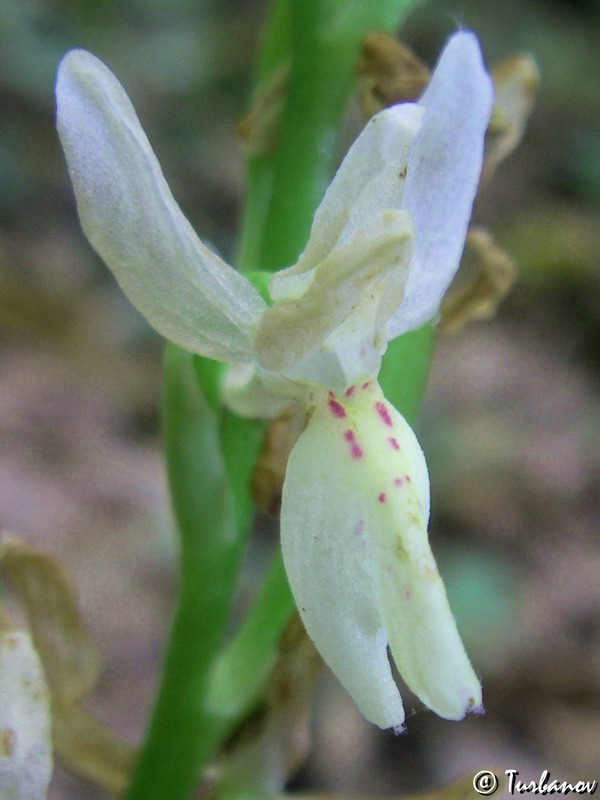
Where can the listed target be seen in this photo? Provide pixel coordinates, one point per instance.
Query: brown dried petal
(273, 743)
(388, 73)
(83, 744)
(46, 594)
(515, 84)
(260, 127)
(483, 280)
(267, 479)
(91, 749)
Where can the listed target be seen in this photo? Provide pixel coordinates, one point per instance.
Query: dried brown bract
(388, 73)
(484, 279)
(69, 661)
(267, 479)
(516, 80)
(259, 128)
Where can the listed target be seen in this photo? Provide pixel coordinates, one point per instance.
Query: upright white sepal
(370, 181)
(444, 165)
(130, 217)
(354, 535)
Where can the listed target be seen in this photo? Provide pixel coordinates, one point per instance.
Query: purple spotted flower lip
(384, 245)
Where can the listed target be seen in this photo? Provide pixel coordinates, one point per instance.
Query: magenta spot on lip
(349, 391)
(383, 413)
(381, 497)
(398, 481)
(394, 443)
(366, 385)
(355, 448)
(337, 409)
(358, 530)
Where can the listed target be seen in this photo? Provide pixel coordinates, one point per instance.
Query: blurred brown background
(511, 421)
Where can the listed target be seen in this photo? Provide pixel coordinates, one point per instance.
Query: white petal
(25, 742)
(346, 283)
(419, 624)
(369, 181)
(130, 217)
(354, 537)
(246, 395)
(444, 166)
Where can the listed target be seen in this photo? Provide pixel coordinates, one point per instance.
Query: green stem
(274, 54)
(244, 665)
(405, 368)
(286, 185)
(184, 732)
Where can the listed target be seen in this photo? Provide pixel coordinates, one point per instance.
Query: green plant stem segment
(244, 666)
(286, 184)
(184, 732)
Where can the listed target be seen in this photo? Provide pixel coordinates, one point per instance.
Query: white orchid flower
(25, 720)
(384, 245)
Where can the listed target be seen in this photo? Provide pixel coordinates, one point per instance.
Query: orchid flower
(384, 245)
